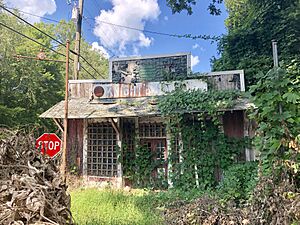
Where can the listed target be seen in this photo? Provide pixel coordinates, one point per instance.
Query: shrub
(239, 182)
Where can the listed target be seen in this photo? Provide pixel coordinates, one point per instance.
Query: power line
(45, 18)
(88, 72)
(188, 36)
(91, 29)
(105, 42)
(45, 46)
(20, 18)
(54, 39)
(25, 36)
(92, 67)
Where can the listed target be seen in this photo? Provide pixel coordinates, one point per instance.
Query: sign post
(49, 144)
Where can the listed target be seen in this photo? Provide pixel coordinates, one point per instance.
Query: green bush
(239, 182)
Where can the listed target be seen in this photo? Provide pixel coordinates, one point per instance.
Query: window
(152, 130)
(101, 150)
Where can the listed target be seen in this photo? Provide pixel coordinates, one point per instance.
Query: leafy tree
(252, 25)
(66, 30)
(29, 87)
(179, 5)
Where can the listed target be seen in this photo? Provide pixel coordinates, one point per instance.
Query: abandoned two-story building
(106, 114)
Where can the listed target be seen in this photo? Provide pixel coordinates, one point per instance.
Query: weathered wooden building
(104, 115)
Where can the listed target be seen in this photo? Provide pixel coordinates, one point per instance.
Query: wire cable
(27, 13)
(25, 36)
(87, 62)
(20, 18)
(54, 39)
(103, 40)
(41, 44)
(188, 36)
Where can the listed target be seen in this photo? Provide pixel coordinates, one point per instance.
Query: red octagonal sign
(49, 144)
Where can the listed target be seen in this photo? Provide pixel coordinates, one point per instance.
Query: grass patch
(114, 207)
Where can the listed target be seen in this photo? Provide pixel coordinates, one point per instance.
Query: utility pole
(276, 65)
(275, 53)
(65, 146)
(77, 40)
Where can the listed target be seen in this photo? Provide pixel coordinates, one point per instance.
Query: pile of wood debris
(270, 205)
(205, 211)
(31, 189)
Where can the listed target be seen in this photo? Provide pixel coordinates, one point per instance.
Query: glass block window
(152, 130)
(101, 150)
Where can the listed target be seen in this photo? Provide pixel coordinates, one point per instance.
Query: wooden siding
(80, 90)
(75, 144)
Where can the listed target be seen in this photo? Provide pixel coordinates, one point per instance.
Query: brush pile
(31, 189)
(271, 204)
(205, 211)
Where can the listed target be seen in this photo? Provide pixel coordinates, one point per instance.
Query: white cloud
(196, 46)
(100, 49)
(130, 13)
(194, 60)
(36, 7)
(144, 41)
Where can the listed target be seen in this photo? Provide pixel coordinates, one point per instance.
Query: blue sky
(151, 15)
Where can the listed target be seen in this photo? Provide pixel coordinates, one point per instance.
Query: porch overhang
(82, 108)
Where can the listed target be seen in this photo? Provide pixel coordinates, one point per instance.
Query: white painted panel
(147, 89)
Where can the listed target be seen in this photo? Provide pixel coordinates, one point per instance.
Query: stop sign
(49, 144)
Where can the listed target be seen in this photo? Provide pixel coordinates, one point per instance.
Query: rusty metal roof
(82, 108)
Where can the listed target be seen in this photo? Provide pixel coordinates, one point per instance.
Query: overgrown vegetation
(238, 183)
(199, 149)
(276, 96)
(252, 25)
(139, 165)
(275, 198)
(200, 154)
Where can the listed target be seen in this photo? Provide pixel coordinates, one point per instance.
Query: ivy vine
(139, 165)
(276, 96)
(200, 151)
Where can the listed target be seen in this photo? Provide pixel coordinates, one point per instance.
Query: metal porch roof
(82, 108)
